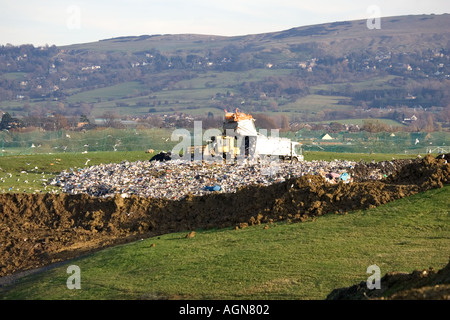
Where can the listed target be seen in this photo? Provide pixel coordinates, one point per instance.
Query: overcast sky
(62, 22)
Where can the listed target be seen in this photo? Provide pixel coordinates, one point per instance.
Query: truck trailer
(240, 139)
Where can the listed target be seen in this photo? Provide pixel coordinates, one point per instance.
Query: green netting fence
(35, 142)
(24, 143)
(382, 142)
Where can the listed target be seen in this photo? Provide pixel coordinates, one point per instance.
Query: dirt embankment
(36, 230)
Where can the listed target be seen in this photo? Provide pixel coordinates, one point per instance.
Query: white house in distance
(413, 118)
(326, 136)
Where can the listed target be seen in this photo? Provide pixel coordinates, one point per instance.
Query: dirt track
(36, 230)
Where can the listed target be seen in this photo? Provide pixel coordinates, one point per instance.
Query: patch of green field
(112, 92)
(299, 261)
(194, 96)
(14, 75)
(372, 84)
(228, 78)
(367, 157)
(314, 102)
(109, 139)
(361, 122)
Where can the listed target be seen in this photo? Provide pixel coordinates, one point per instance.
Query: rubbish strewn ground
(39, 229)
(176, 179)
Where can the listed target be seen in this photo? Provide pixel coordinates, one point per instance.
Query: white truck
(239, 128)
(284, 148)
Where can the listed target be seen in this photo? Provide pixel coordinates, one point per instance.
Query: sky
(64, 22)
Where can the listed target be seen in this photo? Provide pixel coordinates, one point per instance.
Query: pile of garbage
(363, 171)
(164, 178)
(175, 179)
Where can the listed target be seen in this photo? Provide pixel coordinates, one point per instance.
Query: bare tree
(110, 119)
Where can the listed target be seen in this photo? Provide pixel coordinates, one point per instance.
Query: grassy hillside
(278, 261)
(350, 35)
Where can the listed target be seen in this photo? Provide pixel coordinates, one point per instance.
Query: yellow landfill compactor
(240, 139)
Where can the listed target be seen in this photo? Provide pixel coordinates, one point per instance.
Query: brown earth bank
(426, 284)
(39, 229)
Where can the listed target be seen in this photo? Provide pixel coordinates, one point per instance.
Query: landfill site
(106, 205)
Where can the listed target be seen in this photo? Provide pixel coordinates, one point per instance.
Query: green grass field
(379, 83)
(313, 102)
(303, 261)
(360, 122)
(115, 92)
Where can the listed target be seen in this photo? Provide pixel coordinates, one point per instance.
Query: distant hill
(415, 32)
(321, 72)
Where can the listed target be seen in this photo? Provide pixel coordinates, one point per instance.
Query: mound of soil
(419, 285)
(427, 174)
(39, 229)
(364, 171)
